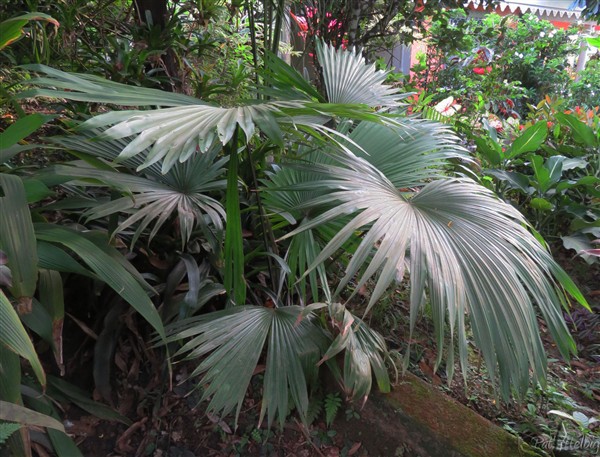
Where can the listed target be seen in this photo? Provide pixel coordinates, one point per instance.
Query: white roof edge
(552, 9)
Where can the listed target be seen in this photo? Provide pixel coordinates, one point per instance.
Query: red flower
(481, 70)
(549, 124)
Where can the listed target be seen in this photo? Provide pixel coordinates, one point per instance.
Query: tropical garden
(225, 224)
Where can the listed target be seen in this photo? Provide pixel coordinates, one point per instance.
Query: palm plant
(353, 174)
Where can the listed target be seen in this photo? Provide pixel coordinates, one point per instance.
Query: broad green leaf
(16, 413)
(571, 163)
(39, 321)
(10, 391)
(542, 175)
(106, 268)
(15, 337)
(541, 204)
(52, 257)
(582, 133)
(493, 154)
(36, 190)
(22, 129)
(580, 244)
(7, 154)
(17, 238)
(529, 141)
(579, 224)
(12, 29)
(52, 298)
(554, 165)
(514, 179)
(83, 400)
(63, 445)
(594, 41)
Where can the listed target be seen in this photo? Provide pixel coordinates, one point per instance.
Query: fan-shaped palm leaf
(174, 134)
(231, 342)
(183, 190)
(407, 156)
(349, 80)
(469, 249)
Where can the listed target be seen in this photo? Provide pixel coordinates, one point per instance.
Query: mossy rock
(435, 425)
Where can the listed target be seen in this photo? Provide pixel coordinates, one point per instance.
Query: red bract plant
(314, 23)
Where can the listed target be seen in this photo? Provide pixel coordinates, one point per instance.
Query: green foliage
(584, 91)
(7, 429)
(11, 29)
(272, 201)
(495, 64)
(331, 405)
(550, 170)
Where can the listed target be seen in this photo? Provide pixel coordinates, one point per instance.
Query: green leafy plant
(495, 64)
(11, 29)
(377, 192)
(331, 406)
(550, 171)
(7, 429)
(35, 254)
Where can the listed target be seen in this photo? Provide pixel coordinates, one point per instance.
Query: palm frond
(348, 78)
(283, 195)
(407, 156)
(175, 134)
(230, 343)
(471, 251)
(184, 190)
(92, 88)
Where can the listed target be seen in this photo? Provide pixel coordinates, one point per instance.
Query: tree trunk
(154, 13)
